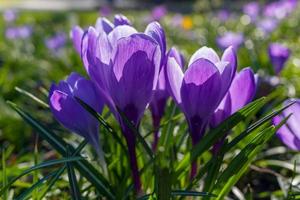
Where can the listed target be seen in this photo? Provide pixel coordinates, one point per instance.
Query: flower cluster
(130, 71)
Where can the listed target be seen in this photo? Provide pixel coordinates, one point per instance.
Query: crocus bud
(278, 55)
(70, 113)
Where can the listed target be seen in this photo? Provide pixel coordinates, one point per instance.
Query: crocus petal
(103, 25)
(155, 31)
(174, 78)
(174, 53)
(68, 112)
(207, 53)
(100, 76)
(104, 49)
(222, 112)
(92, 46)
(76, 35)
(84, 48)
(293, 121)
(242, 89)
(120, 32)
(286, 135)
(65, 87)
(72, 78)
(135, 73)
(227, 70)
(121, 20)
(86, 91)
(200, 91)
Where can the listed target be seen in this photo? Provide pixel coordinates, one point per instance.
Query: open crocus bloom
(289, 133)
(278, 55)
(70, 113)
(240, 93)
(201, 88)
(125, 65)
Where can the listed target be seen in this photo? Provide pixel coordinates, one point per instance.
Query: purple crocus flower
(56, 42)
(252, 10)
(240, 93)
(280, 9)
(159, 12)
(102, 25)
(10, 15)
(201, 88)
(223, 15)
(70, 113)
(161, 95)
(289, 133)
(278, 55)
(18, 32)
(124, 64)
(230, 39)
(267, 25)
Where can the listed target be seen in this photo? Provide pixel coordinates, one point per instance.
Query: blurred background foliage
(28, 64)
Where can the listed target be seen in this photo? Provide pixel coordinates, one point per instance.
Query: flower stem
(131, 144)
(156, 124)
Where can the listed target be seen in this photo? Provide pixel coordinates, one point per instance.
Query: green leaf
(164, 183)
(137, 134)
(212, 136)
(39, 166)
(53, 180)
(106, 125)
(61, 170)
(55, 141)
(24, 195)
(4, 177)
(28, 94)
(145, 197)
(255, 125)
(75, 192)
(237, 167)
(85, 168)
(191, 193)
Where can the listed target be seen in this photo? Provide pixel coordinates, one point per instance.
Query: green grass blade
(45, 133)
(52, 181)
(28, 94)
(24, 195)
(106, 125)
(85, 168)
(61, 170)
(137, 134)
(209, 139)
(39, 166)
(145, 197)
(75, 191)
(255, 126)
(237, 167)
(191, 193)
(4, 177)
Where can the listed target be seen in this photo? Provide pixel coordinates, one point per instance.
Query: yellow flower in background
(187, 23)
